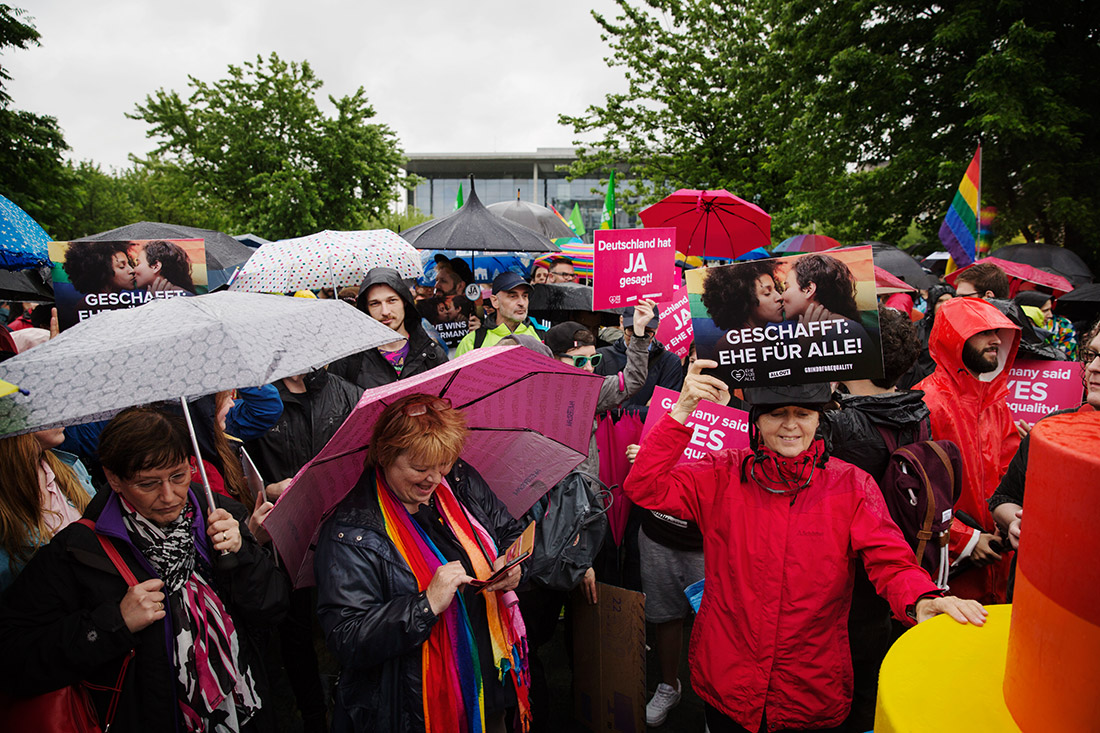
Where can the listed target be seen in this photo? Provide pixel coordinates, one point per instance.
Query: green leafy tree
(32, 171)
(260, 153)
(860, 116)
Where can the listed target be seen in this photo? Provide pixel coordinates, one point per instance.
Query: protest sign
(90, 277)
(633, 263)
(609, 693)
(451, 314)
(795, 320)
(1038, 388)
(713, 427)
(674, 330)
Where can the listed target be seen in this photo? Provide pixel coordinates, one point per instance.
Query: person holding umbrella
(71, 617)
(420, 648)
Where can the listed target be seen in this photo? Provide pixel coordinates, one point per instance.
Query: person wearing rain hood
(784, 527)
(386, 298)
(974, 346)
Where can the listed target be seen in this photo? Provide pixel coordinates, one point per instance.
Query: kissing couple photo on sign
(805, 318)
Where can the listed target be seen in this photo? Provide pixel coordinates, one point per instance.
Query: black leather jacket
(373, 616)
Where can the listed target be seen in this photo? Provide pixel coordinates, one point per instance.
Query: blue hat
(509, 281)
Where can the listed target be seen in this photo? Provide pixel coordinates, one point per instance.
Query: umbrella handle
(226, 560)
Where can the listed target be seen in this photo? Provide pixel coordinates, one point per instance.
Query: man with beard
(511, 294)
(974, 345)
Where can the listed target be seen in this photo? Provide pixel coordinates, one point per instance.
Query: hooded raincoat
(771, 633)
(972, 411)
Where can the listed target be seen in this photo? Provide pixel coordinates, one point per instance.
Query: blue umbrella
(485, 265)
(754, 254)
(22, 241)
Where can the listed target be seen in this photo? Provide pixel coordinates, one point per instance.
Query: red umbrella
(711, 223)
(886, 283)
(1018, 273)
(806, 243)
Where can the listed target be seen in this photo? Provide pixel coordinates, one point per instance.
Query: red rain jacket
(973, 413)
(772, 631)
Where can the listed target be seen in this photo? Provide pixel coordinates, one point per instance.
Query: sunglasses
(416, 409)
(581, 361)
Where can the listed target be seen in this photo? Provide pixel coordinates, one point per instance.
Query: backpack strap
(925, 532)
(889, 438)
(479, 336)
(131, 580)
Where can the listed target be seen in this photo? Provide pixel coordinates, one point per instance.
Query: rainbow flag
(959, 231)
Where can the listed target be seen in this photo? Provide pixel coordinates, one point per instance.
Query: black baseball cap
(559, 339)
(813, 396)
(509, 281)
(628, 319)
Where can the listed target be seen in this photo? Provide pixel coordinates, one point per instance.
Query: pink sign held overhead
(1038, 388)
(713, 427)
(630, 264)
(675, 330)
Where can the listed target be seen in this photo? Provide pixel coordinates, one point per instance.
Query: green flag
(576, 221)
(458, 198)
(608, 219)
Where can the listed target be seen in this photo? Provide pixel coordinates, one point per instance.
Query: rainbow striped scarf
(451, 683)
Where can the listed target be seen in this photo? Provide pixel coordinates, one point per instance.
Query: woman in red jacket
(782, 527)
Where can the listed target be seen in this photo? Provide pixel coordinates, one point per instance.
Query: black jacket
(373, 616)
(855, 437)
(308, 421)
(60, 621)
(369, 368)
(665, 370)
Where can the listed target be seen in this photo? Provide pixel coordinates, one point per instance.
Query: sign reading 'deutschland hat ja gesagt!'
(794, 320)
(629, 264)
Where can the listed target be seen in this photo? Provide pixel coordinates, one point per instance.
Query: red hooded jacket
(972, 411)
(772, 630)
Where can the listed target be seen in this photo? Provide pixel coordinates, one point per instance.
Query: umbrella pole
(227, 560)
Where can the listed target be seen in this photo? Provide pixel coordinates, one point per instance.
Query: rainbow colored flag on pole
(959, 231)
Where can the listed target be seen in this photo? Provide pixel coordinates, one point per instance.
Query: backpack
(921, 484)
(570, 526)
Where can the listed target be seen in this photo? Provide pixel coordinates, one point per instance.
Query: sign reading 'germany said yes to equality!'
(629, 264)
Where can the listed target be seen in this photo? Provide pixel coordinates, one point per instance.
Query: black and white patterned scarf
(217, 690)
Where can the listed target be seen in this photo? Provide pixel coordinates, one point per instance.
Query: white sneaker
(664, 699)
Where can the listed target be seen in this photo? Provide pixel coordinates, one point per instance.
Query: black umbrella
(26, 285)
(472, 227)
(560, 302)
(900, 264)
(223, 252)
(534, 217)
(1049, 257)
(1087, 293)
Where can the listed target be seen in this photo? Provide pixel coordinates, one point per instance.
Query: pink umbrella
(711, 223)
(1018, 273)
(886, 283)
(530, 421)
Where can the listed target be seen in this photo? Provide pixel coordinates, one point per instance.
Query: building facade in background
(498, 176)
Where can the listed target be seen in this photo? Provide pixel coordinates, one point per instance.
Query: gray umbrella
(25, 285)
(179, 347)
(472, 227)
(223, 253)
(534, 217)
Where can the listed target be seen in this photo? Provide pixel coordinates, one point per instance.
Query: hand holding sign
(698, 387)
(643, 314)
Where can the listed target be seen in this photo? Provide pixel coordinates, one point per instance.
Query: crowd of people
(119, 577)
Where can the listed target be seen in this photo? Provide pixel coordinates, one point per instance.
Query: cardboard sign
(675, 330)
(714, 427)
(1038, 388)
(796, 320)
(91, 277)
(609, 648)
(633, 263)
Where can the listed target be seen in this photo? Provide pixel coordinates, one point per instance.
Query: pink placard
(1038, 388)
(714, 427)
(633, 263)
(675, 330)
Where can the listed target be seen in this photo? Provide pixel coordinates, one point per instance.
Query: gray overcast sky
(479, 76)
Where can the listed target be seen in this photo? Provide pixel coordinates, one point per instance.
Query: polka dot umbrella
(323, 259)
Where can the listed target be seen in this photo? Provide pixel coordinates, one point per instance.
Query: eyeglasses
(566, 275)
(1088, 355)
(416, 409)
(581, 361)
